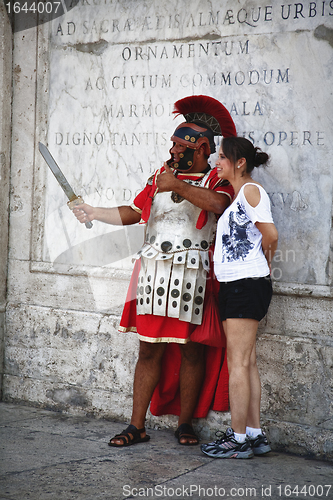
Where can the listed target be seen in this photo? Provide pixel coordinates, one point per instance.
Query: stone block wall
(5, 142)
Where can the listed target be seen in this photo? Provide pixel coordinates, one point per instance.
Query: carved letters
(229, 16)
(214, 79)
(145, 138)
(155, 61)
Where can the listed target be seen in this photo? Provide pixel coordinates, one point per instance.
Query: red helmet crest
(208, 111)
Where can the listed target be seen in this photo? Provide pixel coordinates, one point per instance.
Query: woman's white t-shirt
(238, 252)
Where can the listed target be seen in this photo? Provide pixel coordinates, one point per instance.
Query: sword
(64, 184)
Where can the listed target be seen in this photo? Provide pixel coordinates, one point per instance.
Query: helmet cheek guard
(185, 161)
(193, 136)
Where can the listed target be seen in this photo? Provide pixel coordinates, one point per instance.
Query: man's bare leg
(146, 377)
(191, 377)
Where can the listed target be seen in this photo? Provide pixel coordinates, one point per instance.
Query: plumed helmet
(194, 135)
(205, 117)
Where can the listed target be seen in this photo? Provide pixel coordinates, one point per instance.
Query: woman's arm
(269, 239)
(267, 229)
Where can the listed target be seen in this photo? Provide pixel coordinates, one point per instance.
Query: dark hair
(235, 148)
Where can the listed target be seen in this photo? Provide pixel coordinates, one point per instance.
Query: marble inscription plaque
(117, 67)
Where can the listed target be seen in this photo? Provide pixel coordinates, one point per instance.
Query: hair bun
(260, 158)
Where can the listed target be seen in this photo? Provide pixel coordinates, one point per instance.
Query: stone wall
(5, 139)
(97, 85)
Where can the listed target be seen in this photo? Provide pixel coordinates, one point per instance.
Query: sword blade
(63, 182)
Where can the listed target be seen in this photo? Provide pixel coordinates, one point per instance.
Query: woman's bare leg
(241, 338)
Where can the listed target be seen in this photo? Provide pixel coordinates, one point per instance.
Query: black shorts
(245, 298)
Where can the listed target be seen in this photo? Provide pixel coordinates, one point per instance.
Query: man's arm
(204, 198)
(118, 216)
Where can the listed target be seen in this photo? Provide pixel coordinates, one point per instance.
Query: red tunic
(150, 328)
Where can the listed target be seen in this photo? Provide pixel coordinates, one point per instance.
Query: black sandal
(186, 431)
(130, 435)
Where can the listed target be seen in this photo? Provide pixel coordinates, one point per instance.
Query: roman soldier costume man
(170, 302)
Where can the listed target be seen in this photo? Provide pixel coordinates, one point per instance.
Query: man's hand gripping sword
(74, 200)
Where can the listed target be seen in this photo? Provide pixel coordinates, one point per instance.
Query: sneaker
(226, 446)
(259, 444)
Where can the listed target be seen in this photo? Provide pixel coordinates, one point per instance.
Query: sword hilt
(74, 203)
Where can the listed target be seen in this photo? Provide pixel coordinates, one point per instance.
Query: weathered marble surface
(115, 71)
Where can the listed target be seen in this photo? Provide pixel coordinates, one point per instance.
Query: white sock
(240, 438)
(250, 431)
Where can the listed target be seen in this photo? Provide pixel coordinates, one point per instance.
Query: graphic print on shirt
(236, 245)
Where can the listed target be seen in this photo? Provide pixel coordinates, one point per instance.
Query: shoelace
(221, 437)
